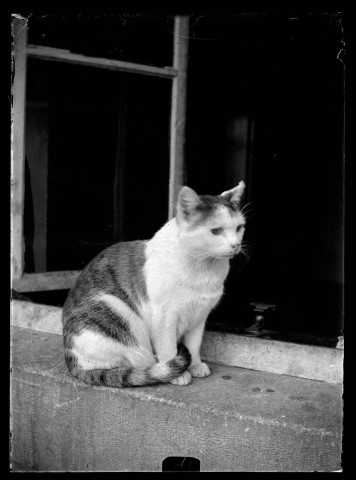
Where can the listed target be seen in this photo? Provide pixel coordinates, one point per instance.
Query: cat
(137, 312)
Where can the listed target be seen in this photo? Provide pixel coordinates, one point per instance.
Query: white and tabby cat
(137, 313)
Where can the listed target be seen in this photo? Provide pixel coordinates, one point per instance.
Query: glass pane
(97, 161)
(144, 38)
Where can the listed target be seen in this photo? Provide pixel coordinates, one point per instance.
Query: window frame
(61, 280)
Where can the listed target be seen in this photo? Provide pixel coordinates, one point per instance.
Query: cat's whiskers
(247, 211)
(244, 252)
(244, 207)
(244, 249)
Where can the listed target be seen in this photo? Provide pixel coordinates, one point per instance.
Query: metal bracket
(259, 309)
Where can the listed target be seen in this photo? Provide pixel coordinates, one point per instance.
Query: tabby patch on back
(137, 312)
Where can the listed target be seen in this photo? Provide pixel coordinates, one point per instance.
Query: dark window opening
(265, 104)
(138, 38)
(55, 298)
(97, 161)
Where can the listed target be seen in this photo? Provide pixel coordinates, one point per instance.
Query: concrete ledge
(234, 420)
(306, 361)
(287, 358)
(42, 318)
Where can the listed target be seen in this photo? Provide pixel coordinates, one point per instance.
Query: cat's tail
(132, 377)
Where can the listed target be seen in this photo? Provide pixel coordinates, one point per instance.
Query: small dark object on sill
(181, 464)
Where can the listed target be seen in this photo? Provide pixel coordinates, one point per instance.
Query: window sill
(274, 356)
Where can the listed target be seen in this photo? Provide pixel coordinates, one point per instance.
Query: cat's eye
(239, 228)
(217, 231)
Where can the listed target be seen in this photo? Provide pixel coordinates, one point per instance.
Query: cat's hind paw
(200, 370)
(183, 379)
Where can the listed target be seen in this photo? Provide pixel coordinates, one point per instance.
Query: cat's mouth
(225, 255)
(234, 253)
(229, 254)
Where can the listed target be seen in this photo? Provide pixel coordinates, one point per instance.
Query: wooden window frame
(61, 280)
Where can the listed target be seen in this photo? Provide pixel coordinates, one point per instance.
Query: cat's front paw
(200, 370)
(183, 379)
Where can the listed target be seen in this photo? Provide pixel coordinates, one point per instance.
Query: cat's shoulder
(129, 248)
(121, 250)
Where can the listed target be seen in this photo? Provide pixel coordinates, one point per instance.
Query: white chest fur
(177, 282)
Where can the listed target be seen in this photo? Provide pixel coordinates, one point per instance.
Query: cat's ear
(188, 200)
(234, 195)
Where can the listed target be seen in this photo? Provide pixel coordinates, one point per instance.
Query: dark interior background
(140, 38)
(284, 75)
(265, 104)
(107, 150)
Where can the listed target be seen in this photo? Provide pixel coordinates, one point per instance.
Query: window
(86, 88)
(213, 99)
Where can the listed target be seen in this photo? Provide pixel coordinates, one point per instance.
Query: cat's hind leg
(135, 335)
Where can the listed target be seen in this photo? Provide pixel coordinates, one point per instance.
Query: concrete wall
(235, 420)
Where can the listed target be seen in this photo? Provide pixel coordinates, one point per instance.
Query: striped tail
(132, 377)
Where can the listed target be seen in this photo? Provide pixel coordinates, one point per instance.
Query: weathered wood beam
(19, 32)
(178, 112)
(35, 282)
(60, 55)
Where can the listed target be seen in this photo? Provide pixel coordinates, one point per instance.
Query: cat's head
(211, 226)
